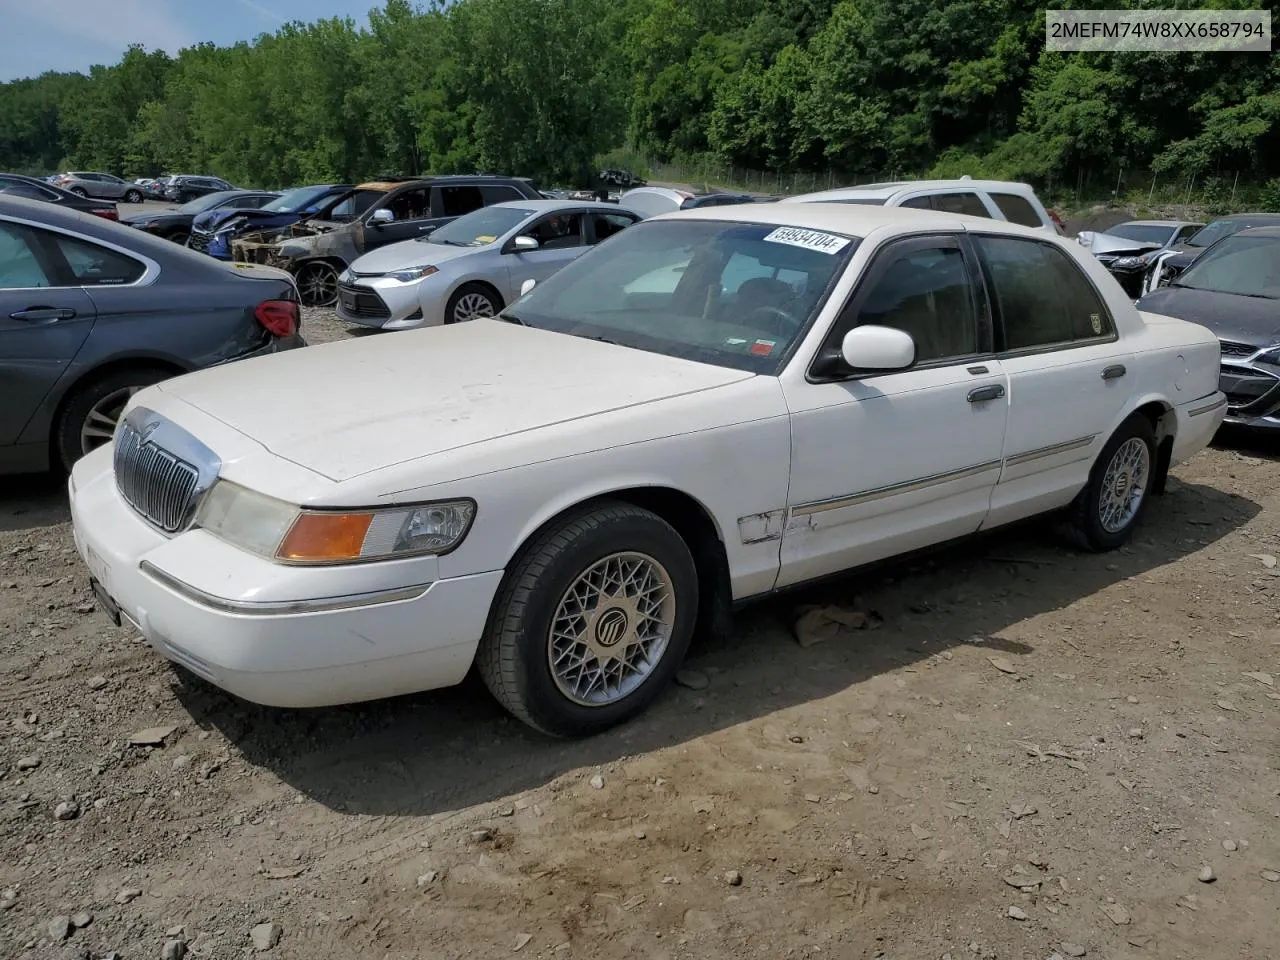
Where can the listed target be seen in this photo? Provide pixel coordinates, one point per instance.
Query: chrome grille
(199, 240)
(1230, 349)
(153, 481)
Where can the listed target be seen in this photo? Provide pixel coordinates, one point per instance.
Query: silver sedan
(473, 266)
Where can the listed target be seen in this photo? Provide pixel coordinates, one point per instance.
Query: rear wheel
(592, 620)
(133, 196)
(317, 283)
(90, 414)
(80, 191)
(1105, 513)
(471, 302)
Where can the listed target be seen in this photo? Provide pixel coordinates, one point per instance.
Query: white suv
(994, 199)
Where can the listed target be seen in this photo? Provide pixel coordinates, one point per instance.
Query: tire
(317, 283)
(88, 415)
(1130, 454)
(471, 301)
(515, 655)
(180, 237)
(132, 196)
(79, 191)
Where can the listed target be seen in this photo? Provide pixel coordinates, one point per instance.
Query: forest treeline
(543, 88)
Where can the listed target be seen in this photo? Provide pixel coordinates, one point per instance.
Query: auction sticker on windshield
(808, 239)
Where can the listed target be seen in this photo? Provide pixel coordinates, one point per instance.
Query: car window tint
(918, 203)
(926, 293)
(1043, 297)
(93, 265)
(557, 231)
(607, 224)
(967, 203)
(1243, 265)
(19, 267)
(499, 194)
(1017, 209)
(1184, 233)
(455, 201)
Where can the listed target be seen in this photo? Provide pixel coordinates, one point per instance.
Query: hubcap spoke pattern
(100, 425)
(1124, 485)
(318, 285)
(472, 305)
(611, 628)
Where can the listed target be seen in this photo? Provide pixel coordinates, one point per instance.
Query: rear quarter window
(1017, 209)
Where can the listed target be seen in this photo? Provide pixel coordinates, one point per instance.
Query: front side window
(412, 204)
(19, 267)
(455, 201)
(927, 293)
(95, 266)
(1017, 209)
(1242, 265)
(477, 229)
(557, 231)
(499, 193)
(1042, 297)
(354, 204)
(731, 294)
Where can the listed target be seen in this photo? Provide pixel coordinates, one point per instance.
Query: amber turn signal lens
(323, 537)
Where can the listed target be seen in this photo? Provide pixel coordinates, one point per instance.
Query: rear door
(44, 321)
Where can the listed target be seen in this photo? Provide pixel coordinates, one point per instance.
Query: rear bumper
(1198, 421)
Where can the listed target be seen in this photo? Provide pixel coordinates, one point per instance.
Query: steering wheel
(772, 320)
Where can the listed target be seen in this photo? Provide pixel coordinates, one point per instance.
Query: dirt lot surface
(1038, 752)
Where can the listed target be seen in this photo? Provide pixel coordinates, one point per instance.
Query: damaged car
(317, 250)
(1128, 249)
(1170, 264)
(212, 232)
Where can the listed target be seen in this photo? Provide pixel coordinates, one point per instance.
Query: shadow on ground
(33, 500)
(448, 749)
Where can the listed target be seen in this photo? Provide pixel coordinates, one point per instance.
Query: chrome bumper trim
(1210, 407)
(263, 608)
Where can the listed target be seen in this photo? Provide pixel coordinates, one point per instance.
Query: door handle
(43, 314)
(1113, 372)
(979, 394)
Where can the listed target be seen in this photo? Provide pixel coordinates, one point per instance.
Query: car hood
(211, 220)
(1109, 243)
(350, 408)
(1230, 316)
(155, 217)
(410, 253)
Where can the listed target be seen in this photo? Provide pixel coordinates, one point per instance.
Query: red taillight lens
(106, 214)
(279, 317)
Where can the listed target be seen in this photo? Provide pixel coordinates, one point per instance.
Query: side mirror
(524, 243)
(878, 348)
(379, 217)
(527, 286)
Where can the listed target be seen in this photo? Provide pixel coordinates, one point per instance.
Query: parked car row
(698, 409)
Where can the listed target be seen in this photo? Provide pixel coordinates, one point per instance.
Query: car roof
(94, 227)
(1260, 216)
(1272, 233)
(551, 206)
(851, 219)
(1155, 223)
(886, 190)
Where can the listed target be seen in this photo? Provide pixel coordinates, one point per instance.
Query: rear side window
(1016, 209)
(19, 268)
(95, 266)
(455, 201)
(969, 204)
(499, 194)
(607, 224)
(1043, 298)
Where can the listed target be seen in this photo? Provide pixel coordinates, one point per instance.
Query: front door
(411, 209)
(884, 463)
(42, 325)
(560, 239)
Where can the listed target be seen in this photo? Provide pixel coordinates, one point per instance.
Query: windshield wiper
(452, 243)
(512, 318)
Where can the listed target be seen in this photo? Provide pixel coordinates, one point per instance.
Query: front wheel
(591, 621)
(180, 237)
(1105, 513)
(80, 191)
(317, 284)
(133, 196)
(471, 302)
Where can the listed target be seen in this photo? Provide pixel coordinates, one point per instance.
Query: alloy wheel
(317, 284)
(100, 424)
(1124, 485)
(472, 306)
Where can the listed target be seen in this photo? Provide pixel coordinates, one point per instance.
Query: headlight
(286, 533)
(410, 274)
(1130, 263)
(345, 276)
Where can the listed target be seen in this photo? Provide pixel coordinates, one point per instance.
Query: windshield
(1142, 232)
(1247, 266)
(294, 200)
(481, 227)
(736, 295)
(1211, 234)
(348, 206)
(201, 204)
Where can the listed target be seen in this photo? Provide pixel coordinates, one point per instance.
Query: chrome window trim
(277, 608)
(1052, 450)
(895, 489)
(150, 273)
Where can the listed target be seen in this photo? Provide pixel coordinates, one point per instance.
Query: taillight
(279, 317)
(106, 214)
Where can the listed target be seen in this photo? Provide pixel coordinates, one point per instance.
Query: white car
(713, 405)
(997, 199)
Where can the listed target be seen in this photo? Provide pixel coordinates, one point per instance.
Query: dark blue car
(213, 231)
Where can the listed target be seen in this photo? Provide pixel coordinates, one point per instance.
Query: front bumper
(200, 603)
(381, 303)
(1252, 388)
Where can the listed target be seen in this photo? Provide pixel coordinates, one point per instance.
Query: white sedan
(714, 405)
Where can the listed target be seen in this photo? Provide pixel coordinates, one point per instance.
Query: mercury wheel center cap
(611, 626)
(1122, 484)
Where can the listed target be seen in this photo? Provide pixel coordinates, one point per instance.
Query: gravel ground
(1034, 753)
